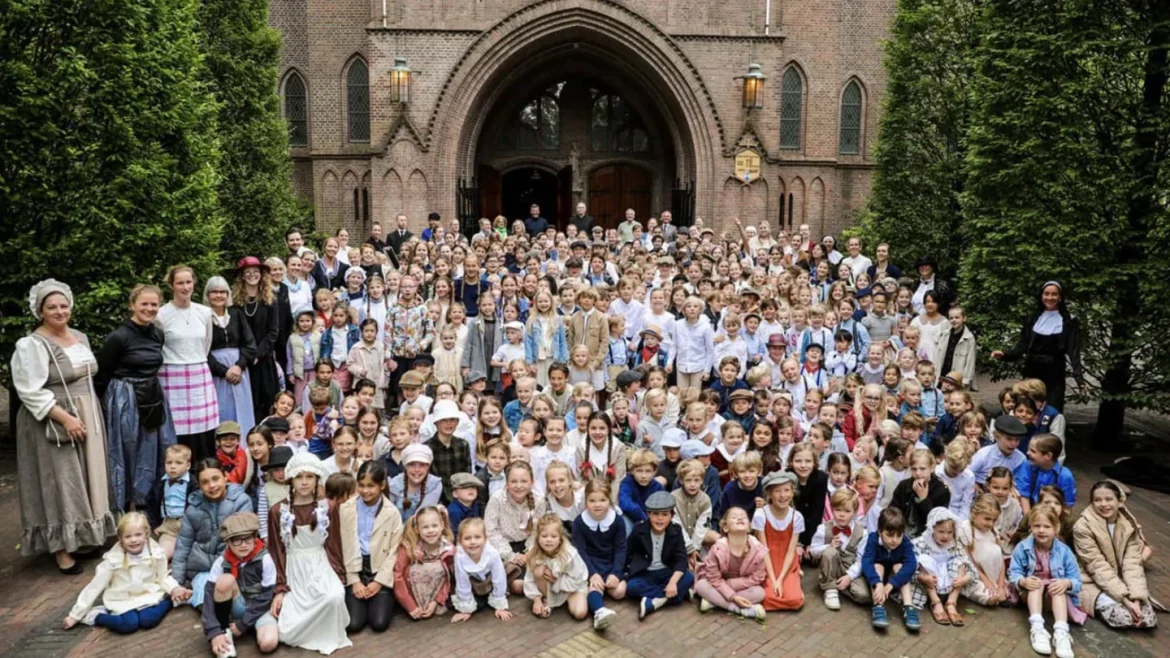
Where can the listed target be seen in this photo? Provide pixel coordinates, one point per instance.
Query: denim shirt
(1061, 562)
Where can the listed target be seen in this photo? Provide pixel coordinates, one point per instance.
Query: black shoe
(73, 570)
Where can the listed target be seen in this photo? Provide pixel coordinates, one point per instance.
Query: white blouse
(764, 515)
(30, 371)
(187, 332)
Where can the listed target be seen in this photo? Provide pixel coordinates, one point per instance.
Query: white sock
(1060, 627)
(731, 607)
(1036, 621)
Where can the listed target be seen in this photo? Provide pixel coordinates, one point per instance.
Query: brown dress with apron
(64, 487)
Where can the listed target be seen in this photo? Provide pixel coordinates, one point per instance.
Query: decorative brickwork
(676, 60)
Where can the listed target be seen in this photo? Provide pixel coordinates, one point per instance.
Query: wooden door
(490, 193)
(564, 197)
(635, 191)
(614, 188)
(604, 197)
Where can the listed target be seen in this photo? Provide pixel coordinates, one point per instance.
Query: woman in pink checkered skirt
(185, 376)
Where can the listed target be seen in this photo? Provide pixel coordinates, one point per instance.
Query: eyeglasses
(873, 398)
(237, 541)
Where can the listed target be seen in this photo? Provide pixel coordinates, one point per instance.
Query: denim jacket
(1061, 562)
(353, 336)
(560, 346)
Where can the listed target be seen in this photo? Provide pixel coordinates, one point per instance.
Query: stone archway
(513, 47)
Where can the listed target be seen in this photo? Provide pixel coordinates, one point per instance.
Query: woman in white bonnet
(60, 436)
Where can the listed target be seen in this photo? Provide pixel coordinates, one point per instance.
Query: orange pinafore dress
(778, 542)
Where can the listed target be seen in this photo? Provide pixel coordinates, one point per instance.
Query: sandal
(940, 614)
(953, 613)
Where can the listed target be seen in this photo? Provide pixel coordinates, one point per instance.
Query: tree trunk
(1116, 384)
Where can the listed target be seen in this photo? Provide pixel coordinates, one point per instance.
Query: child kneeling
(240, 585)
(133, 580)
(836, 544)
(734, 569)
(556, 573)
(656, 560)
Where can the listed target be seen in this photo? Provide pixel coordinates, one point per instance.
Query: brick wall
(697, 47)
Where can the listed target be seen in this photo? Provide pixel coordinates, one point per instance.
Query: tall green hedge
(1067, 179)
(108, 153)
(241, 53)
(922, 137)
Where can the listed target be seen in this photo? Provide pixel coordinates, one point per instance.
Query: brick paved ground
(34, 599)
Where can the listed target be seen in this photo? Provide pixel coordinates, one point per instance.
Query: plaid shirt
(449, 461)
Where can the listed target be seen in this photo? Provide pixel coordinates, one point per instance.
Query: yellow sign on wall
(747, 165)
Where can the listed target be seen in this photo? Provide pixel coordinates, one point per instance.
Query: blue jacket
(199, 544)
(877, 553)
(725, 391)
(514, 413)
(604, 552)
(736, 496)
(632, 497)
(457, 512)
(353, 336)
(746, 421)
(944, 431)
(560, 346)
(1030, 479)
(1061, 562)
(641, 549)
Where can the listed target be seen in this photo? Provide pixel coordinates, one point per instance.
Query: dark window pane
(850, 141)
(358, 102)
(791, 101)
(296, 111)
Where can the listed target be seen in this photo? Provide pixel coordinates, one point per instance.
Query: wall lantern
(753, 87)
(400, 81)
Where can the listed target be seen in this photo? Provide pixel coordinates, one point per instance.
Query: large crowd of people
(436, 425)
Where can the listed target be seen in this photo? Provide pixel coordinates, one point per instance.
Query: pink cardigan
(752, 569)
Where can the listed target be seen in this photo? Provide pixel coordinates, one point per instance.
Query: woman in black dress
(232, 351)
(1050, 338)
(253, 293)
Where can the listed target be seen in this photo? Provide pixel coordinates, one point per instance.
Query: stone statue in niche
(575, 163)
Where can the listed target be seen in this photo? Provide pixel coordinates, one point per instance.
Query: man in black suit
(398, 237)
(582, 221)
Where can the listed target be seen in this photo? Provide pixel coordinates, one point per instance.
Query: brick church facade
(617, 103)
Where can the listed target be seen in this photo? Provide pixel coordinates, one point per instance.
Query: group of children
(577, 450)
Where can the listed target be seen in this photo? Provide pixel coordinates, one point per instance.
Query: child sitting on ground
(241, 586)
(133, 581)
(944, 569)
(1044, 570)
(836, 544)
(653, 585)
(480, 578)
(888, 564)
(734, 570)
(556, 573)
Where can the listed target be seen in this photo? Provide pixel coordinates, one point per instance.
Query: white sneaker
(603, 618)
(704, 605)
(1041, 641)
(832, 599)
(1063, 643)
(230, 652)
(92, 615)
(752, 612)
